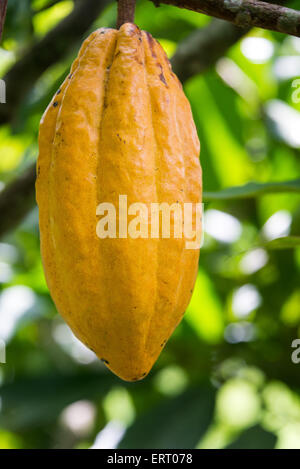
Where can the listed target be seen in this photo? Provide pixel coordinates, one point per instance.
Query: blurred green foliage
(226, 378)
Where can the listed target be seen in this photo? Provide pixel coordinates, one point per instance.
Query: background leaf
(287, 242)
(252, 189)
(254, 438)
(177, 423)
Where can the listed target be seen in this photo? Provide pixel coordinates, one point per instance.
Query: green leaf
(254, 438)
(224, 148)
(167, 21)
(47, 19)
(252, 189)
(176, 423)
(209, 327)
(286, 242)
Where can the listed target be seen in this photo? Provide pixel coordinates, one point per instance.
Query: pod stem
(3, 8)
(126, 10)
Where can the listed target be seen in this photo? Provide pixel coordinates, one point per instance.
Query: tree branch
(52, 48)
(3, 8)
(201, 49)
(16, 200)
(126, 11)
(245, 13)
(204, 47)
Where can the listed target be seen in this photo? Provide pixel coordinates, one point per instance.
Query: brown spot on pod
(162, 78)
(138, 60)
(151, 44)
(133, 29)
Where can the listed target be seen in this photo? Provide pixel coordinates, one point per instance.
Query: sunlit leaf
(12, 148)
(10, 441)
(226, 151)
(290, 313)
(205, 312)
(47, 19)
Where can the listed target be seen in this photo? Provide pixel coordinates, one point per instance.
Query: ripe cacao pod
(119, 124)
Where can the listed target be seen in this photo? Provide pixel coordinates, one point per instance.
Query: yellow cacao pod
(119, 125)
